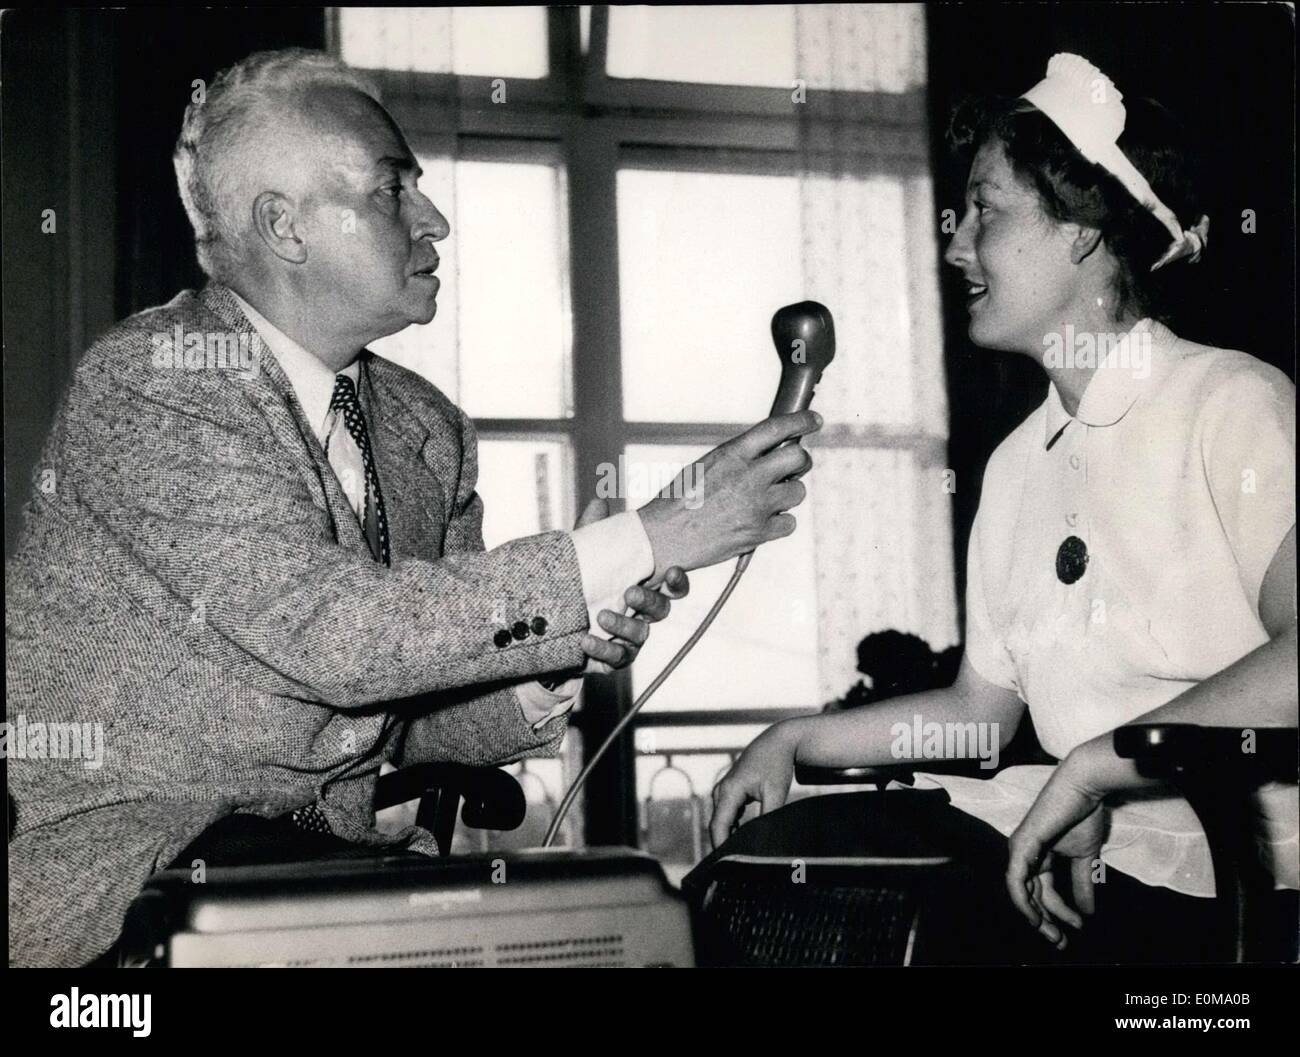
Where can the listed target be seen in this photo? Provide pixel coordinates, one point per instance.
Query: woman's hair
(1075, 190)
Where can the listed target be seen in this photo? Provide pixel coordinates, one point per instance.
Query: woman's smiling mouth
(974, 292)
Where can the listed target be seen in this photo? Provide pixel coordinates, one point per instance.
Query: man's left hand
(630, 630)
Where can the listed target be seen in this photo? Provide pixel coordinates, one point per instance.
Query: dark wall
(1228, 71)
(56, 270)
(157, 255)
(91, 106)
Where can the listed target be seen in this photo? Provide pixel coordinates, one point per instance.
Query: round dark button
(520, 630)
(1071, 560)
(501, 638)
(539, 625)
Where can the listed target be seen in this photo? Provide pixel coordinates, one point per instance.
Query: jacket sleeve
(488, 727)
(211, 522)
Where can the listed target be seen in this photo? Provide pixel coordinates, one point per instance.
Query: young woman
(1133, 557)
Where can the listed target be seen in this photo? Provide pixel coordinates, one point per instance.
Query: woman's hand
(1068, 818)
(763, 773)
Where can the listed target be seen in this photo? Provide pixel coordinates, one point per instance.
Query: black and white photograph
(718, 486)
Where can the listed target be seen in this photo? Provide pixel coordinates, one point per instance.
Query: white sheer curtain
(882, 517)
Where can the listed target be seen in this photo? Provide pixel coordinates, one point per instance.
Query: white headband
(1085, 105)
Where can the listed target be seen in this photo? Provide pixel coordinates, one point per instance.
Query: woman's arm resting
(860, 737)
(864, 737)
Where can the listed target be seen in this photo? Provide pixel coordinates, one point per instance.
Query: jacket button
(539, 625)
(501, 638)
(520, 631)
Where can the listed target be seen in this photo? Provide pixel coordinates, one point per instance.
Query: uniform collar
(312, 381)
(1120, 379)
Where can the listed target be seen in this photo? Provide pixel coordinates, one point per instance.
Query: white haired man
(264, 583)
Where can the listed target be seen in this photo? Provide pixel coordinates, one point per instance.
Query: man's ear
(1086, 240)
(275, 224)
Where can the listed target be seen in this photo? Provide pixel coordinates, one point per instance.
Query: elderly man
(260, 577)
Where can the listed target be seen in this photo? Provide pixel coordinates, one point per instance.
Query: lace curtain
(882, 515)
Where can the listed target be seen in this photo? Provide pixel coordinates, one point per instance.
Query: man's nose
(430, 223)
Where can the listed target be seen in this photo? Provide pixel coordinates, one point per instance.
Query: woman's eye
(980, 207)
(393, 189)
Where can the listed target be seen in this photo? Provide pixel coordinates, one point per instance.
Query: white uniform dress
(1178, 476)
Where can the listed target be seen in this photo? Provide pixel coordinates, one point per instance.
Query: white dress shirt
(613, 554)
(1180, 480)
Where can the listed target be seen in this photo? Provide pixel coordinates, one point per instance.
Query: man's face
(1015, 259)
(369, 231)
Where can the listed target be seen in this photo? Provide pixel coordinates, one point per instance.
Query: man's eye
(392, 189)
(980, 207)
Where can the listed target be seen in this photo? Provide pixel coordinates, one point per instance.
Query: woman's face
(1021, 282)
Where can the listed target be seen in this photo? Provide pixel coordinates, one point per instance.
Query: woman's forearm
(885, 733)
(862, 737)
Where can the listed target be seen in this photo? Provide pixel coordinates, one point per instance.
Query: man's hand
(630, 631)
(732, 499)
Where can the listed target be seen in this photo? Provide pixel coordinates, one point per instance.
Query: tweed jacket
(192, 583)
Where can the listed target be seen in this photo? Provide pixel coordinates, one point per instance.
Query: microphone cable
(742, 563)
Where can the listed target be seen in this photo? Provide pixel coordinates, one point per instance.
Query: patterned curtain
(882, 517)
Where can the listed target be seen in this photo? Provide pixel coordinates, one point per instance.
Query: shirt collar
(1120, 379)
(312, 381)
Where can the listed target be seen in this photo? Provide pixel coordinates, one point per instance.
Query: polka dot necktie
(311, 819)
(346, 403)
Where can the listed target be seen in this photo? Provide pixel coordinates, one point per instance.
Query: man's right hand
(732, 499)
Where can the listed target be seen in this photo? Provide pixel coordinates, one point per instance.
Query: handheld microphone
(804, 335)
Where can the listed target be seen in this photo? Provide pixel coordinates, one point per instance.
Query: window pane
(482, 41)
(723, 44)
(513, 269)
(525, 485)
(705, 259)
(762, 649)
(500, 41)
(499, 345)
(862, 47)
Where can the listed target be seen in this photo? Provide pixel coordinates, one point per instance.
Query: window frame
(592, 125)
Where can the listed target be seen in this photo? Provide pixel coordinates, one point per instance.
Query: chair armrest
(493, 799)
(1257, 754)
(883, 774)
(1217, 770)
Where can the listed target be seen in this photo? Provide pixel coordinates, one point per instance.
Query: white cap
(1087, 107)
